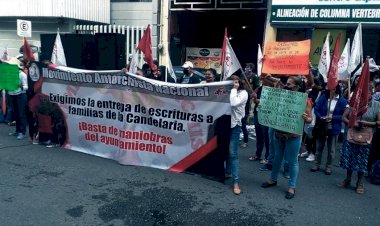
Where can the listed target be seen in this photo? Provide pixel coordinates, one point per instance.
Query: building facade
(312, 19)
(47, 16)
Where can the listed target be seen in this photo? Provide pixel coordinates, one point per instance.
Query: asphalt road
(54, 186)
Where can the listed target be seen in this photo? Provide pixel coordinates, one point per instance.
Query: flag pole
(349, 88)
(246, 79)
(166, 74)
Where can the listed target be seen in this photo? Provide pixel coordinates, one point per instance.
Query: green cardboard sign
(282, 109)
(9, 77)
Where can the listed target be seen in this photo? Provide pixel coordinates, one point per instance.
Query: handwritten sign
(9, 77)
(287, 58)
(282, 109)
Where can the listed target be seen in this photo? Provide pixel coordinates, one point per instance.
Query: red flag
(145, 46)
(359, 100)
(332, 75)
(27, 52)
(224, 47)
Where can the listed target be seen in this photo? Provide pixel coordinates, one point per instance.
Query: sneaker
(35, 141)
(310, 158)
(314, 168)
(49, 144)
(243, 145)
(265, 167)
(20, 136)
(263, 161)
(13, 134)
(304, 154)
(286, 175)
(328, 171)
(13, 123)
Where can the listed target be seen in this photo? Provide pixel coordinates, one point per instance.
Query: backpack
(375, 175)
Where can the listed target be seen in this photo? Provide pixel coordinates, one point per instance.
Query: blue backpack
(375, 175)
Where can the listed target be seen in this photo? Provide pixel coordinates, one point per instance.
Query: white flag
(5, 56)
(134, 62)
(230, 63)
(372, 67)
(170, 68)
(58, 55)
(259, 60)
(356, 57)
(343, 62)
(324, 61)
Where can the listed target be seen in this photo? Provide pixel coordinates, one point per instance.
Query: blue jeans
(262, 138)
(288, 150)
(232, 164)
(19, 104)
(271, 147)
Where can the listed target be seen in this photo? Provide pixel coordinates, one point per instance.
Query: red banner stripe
(38, 84)
(195, 156)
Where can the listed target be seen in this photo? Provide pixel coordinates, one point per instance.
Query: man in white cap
(189, 77)
(19, 101)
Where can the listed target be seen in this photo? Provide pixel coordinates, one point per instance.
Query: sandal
(237, 190)
(345, 183)
(253, 158)
(359, 188)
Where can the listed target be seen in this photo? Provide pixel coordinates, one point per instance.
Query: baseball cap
(14, 61)
(188, 64)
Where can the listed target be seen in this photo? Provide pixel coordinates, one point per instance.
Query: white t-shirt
(23, 83)
(238, 99)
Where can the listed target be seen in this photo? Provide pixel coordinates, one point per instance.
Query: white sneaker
(243, 145)
(20, 136)
(310, 158)
(304, 154)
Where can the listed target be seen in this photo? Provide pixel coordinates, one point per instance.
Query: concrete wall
(10, 39)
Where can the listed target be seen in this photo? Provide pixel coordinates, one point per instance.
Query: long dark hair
(242, 83)
(299, 82)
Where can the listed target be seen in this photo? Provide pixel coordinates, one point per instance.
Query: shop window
(289, 35)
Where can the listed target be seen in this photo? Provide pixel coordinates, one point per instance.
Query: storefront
(199, 25)
(312, 19)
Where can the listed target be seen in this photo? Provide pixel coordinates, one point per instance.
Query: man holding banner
(19, 100)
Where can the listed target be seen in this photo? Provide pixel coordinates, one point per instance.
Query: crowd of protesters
(326, 118)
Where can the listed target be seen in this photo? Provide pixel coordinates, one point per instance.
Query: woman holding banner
(287, 145)
(238, 99)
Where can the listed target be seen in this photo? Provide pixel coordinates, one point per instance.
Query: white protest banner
(24, 28)
(136, 120)
(282, 109)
